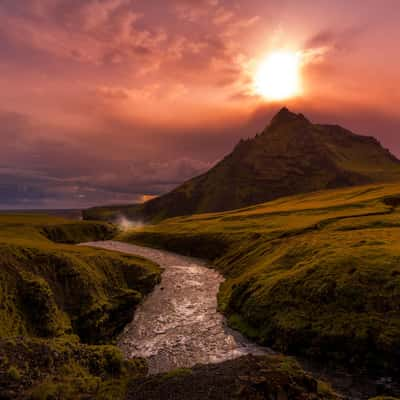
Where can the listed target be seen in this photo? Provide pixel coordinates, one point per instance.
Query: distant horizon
(190, 187)
(39, 209)
(149, 197)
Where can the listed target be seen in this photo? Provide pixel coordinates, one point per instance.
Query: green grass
(63, 368)
(315, 274)
(50, 291)
(36, 227)
(47, 288)
(384, 398)
(248, 377)
(176, 373)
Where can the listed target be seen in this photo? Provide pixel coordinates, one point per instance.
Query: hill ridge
(291, 155)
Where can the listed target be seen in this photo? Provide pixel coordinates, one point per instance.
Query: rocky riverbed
(178, 324)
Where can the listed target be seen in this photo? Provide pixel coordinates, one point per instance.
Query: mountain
(291, 156)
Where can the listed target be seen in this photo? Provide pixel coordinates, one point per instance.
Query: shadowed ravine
(178, 324)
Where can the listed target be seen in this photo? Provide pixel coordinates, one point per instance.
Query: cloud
(122, 35)
(193, 10)
(343, 40)
(118, 99)
(47, 172)
(110, 92)
(123, 183)
(95, 31)
(322, 48)
(42, 171)
(222, 16)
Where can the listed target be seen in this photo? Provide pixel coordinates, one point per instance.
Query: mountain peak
(295, 156)
(284, 115)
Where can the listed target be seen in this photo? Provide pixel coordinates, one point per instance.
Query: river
(178, 325)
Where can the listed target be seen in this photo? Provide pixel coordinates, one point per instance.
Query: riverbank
(244, 378)
(42, 349)
(314, 275)
(59, 302)
(61, 307)
(178, 325)
(190, 351)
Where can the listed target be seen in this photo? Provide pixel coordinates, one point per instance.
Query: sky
(116, 101)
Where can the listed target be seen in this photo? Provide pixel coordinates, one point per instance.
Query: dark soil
(248, 377)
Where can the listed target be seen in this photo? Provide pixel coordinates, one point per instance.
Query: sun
(278, 76)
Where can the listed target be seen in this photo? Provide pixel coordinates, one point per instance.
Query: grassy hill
(59, 303)
(314, 274)
(291, 156)
(61, 306)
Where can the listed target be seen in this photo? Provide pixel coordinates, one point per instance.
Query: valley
(63, 308)
(178, 325)
(314, 275)
(288, 247)
(199, 200)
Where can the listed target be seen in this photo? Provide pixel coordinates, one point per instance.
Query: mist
(125, 224)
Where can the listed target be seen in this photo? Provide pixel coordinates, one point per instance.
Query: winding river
(178, 324)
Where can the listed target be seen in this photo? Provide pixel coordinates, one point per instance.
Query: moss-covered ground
(315, 274)
(64, 368)
(246, 378)
(60, 303)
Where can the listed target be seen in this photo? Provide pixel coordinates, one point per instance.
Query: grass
(315, 274)
(86, 291)
(54, 297)
(18, 228)
(176, 373)
(248, 377)
(64, 368)
(384, 398)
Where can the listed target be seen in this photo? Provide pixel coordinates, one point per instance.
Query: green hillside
(61, 307)
(59, 302)
(291, 156)
(314, 274)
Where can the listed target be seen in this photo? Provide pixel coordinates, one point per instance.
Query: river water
(178, 324)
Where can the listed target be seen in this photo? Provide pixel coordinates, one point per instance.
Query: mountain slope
(290, 156)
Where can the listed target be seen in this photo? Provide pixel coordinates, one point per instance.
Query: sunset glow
(112, 101)
(142, 141)
(278, 76)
